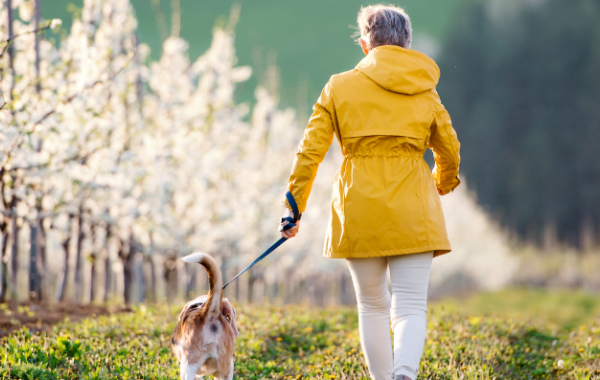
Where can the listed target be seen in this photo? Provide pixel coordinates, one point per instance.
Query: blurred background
(308, 41)
(138, 132)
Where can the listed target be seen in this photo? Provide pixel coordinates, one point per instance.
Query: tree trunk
(224, 263)
(237, 284)
(275, 287)
(107, 277)
(190, 288)
(141, 280)
(251, 281)
(65, 244)
(15, 257)
(78, 257)
(42, 263)
(170, 276)
(153, 290)
(93, 269)
(128, 271)
(93, 276)
(121, 255)
(4, 261)
(128, 279)
(33, 262)
(10, 50)
(348, 297)
(146, 269)
(107, 266)
(40, 240)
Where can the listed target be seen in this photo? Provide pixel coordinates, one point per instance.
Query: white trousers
(408, 307)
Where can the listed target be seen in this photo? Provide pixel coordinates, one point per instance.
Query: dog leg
(188, 371)
(230, 377)
(226, 374)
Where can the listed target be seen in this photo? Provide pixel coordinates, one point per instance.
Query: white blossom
(55, 23)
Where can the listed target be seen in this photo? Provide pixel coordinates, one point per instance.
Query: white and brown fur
(204, 337)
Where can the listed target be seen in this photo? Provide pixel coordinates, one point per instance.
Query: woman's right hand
(292, 231)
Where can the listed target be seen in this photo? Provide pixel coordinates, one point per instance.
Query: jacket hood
(400, 70)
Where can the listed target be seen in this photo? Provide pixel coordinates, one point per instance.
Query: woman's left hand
(292, 231)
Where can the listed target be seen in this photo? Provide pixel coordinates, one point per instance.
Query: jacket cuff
(301, 206)
(448, 187)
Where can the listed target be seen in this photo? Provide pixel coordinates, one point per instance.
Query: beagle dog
(204, 337)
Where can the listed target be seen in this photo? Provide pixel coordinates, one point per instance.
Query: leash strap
(291, 224)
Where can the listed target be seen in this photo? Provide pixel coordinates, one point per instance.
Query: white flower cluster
(159, 156)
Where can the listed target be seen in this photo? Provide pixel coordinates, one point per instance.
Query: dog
(203, 339)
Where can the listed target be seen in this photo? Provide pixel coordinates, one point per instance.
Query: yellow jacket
(385, 113)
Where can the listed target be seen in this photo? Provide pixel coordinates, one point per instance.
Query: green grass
(302, 342)
(566, 310)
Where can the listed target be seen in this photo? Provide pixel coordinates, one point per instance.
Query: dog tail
(215, 280)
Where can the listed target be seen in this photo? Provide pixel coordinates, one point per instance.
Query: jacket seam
(372, 155)
(454, 153)
(423, 204)
(335, 126)
(343, 199)
(433, 112)
(302, 155)
(294, 172)
(449, 134)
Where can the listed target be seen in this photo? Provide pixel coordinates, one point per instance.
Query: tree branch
(51, 25)
(53, 111)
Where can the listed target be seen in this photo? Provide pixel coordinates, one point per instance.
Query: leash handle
(291, 224)
(293, 205)
(295, 210)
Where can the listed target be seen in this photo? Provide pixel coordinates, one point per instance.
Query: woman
(386, 211)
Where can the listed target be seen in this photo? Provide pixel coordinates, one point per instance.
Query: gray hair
(384, 25)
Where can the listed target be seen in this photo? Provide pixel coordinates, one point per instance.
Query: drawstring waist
(395, 155)
(346, 164)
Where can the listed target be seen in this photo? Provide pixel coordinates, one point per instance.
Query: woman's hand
(292, 231)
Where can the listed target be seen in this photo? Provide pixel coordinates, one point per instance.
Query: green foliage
(521, 82)
(26, 372)
(302, 342)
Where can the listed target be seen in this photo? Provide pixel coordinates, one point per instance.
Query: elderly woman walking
(386, 211)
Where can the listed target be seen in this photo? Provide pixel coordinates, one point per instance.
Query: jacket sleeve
(446, 149)
(312, 149)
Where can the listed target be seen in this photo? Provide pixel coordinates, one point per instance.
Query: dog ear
(229, 313)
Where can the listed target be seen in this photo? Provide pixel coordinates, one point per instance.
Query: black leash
(291, 224)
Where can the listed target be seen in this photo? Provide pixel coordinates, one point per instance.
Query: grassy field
(300, 342)
(563, 310)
